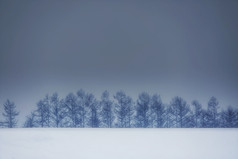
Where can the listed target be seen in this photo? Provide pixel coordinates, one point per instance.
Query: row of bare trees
(83, 110)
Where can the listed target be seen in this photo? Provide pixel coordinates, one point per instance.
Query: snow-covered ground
(118, 143)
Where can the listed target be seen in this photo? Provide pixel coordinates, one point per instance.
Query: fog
(186, 48)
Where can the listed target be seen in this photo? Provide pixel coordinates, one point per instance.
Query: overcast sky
(184, 48)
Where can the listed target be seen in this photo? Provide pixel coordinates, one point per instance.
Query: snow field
(118, 143)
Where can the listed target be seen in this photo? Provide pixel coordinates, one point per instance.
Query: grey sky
(185, 48)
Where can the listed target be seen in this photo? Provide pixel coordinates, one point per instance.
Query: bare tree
(142, 111)
(229, 118)
(30, 121)
(124, 110)
(197, 114)
(10, 114)
(93, 106)
(158, 112)
(212, 114)
(57, 110)
(72, 111)
(107, 110)
(82, 98)
(180, 111)
(43, 112)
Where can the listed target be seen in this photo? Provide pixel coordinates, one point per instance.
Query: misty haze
(137, 71)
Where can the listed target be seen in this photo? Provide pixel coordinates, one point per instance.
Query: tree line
(83, 110)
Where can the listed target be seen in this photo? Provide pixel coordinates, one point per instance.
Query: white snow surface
(97, 143)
